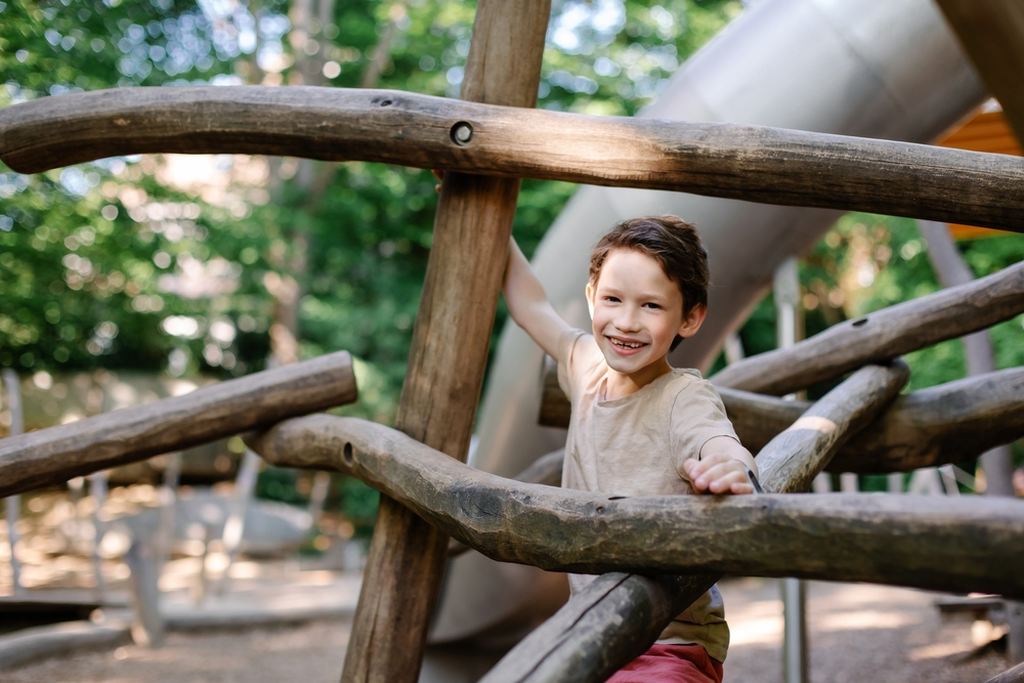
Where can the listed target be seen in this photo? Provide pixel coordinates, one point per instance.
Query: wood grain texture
(629, 601)
(884, 334)
(949, 423)
(547, 470)
(790, 461)
(770, 165)
(1013, 675)
(56, 454)
(535, 659)
(765, 535)
(449, 347)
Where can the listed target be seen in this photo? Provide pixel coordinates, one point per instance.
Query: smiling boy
(639, 426)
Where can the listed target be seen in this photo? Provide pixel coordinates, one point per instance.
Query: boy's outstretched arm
(722, 467)
(528, 304)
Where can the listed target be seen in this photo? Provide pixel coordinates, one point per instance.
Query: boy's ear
(692, 320)
(590, 298)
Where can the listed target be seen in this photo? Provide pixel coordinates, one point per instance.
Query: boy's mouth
(625, 344)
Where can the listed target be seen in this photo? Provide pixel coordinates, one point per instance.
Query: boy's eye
(612, 299)
(651, 304)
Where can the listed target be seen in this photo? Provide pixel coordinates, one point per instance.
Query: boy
(638, 426)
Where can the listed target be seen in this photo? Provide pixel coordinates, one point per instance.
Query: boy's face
(637, 311)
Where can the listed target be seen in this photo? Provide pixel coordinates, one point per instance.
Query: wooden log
(884, 334)
(767, 535)
(56, 454)
(630, 600)
(450, 341)
(546, 470)
(751, 163)
(792, 459)
(550, 651)
(949, 423)
(992, 34)
(1013, 675)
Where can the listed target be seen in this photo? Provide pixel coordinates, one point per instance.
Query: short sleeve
(567, 358)
(698, 415)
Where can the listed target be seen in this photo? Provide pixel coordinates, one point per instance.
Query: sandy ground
(856, 633)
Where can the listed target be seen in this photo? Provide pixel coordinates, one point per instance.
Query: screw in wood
(461, 133)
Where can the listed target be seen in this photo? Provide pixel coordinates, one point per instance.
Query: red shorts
(675, 663)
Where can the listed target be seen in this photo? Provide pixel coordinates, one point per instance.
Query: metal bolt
(462, 133)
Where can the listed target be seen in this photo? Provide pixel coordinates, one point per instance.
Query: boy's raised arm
(528, 304)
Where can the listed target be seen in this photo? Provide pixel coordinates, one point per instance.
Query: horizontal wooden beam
(751, 163)
(547, 470)
(949, 423)
(886, 333)
(843, 537)
(551, 652)
(836, 537)
(56, 454)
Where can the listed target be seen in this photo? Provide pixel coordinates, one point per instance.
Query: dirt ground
(856, 633)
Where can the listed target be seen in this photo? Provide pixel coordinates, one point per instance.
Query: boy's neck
(619, 384)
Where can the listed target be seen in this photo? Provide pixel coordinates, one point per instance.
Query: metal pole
(98, 490)
(234, 525)
(786, 287)
(12, 504)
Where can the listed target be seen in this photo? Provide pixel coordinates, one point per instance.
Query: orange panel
(987, 132)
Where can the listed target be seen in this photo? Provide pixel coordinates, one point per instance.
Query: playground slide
(874, 69)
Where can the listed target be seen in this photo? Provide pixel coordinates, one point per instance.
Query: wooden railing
(56, 454)
(770, 165)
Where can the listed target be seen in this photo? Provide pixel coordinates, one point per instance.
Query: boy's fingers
(717, 475)
(742, 487)
(724, 479)
(713, 473)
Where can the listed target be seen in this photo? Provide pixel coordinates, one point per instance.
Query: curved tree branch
(752, 163)
(887, 333)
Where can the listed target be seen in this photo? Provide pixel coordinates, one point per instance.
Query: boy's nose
(627, 320)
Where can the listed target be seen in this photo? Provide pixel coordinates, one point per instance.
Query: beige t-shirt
(636, 446)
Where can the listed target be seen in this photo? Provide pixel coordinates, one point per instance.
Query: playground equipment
(880, 70)
(528, 523)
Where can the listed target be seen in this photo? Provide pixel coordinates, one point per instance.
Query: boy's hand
(718, 473)
(721, 469)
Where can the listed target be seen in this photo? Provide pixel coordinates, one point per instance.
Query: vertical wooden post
(449, 349)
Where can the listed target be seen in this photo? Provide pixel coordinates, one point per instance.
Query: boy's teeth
(628, 345)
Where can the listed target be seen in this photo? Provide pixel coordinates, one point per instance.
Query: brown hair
(670, 241)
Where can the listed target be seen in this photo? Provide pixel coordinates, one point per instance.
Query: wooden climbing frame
(485, 143)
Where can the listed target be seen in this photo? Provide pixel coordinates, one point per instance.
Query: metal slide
(882, 69)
